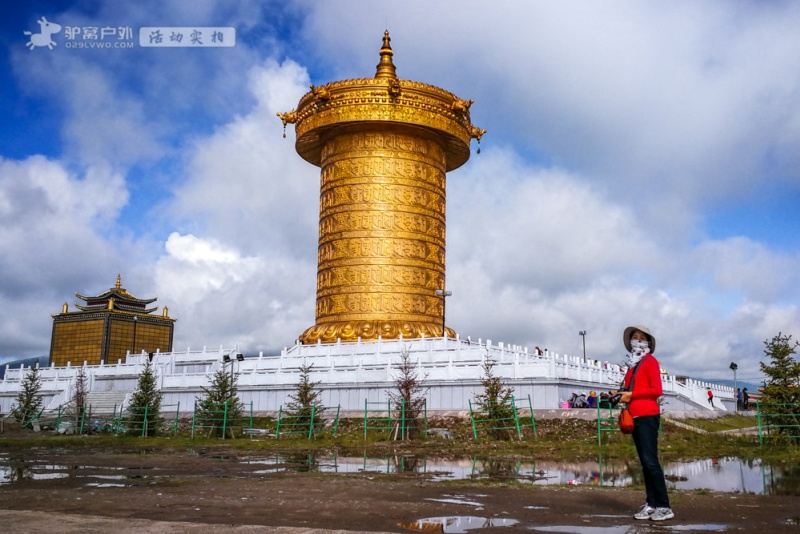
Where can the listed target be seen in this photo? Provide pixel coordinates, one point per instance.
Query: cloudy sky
(641, 167)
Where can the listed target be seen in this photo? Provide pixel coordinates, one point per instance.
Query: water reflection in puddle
(693, 528)
(723, 474)
(456, 499)
(456, 523)
(16, 470)
(717, 474)
(575, 529)
(630, 529)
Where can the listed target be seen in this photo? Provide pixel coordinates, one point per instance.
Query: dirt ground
(48, 491)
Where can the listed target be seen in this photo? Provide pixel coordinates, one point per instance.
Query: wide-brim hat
(626, 337)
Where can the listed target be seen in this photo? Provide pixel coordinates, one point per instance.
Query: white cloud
(543, 224)
(221, 297)
(216, 263)
(250, 278)
(680, 103)
(245, 184)
(49, 217)
(742, 265)
(52, 243)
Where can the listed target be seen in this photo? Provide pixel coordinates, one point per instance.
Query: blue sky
(641, 166)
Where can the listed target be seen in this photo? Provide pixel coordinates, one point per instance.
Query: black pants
(645, 437)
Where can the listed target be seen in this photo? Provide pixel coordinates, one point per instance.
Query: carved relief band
(356, 192)
(335, 279)
(384, 146)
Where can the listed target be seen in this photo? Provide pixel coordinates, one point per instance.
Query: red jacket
(646, 388)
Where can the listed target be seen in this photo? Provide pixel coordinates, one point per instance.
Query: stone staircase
(105, 402)
(63, 419)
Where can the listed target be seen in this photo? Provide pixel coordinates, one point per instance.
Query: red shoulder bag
(625, 417)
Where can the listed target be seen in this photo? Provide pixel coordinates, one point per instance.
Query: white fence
(348, 373)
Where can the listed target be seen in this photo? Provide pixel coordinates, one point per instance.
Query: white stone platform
(351, 374)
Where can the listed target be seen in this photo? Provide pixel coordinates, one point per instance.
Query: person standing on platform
(642, 385)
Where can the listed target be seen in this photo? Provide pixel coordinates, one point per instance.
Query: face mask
(640, 347)
(638, 350)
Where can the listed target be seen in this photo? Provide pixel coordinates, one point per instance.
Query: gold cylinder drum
(381, 253)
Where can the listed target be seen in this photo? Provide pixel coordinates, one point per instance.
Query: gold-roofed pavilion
(107, 326)
(384, 145)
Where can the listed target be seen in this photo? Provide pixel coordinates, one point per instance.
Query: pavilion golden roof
(117, 299)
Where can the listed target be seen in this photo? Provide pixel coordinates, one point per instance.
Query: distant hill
(751, 386)
(27, 362)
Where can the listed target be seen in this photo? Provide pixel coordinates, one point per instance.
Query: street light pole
(444, 294)
(582, 333)
(239, 360)
(226, 359)
(734, 367)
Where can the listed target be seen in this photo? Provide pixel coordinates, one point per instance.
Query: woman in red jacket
(642, 399)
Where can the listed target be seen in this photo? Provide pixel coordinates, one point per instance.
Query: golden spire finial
(386, 67)
(119, 281)
(166, 312)
(64, 308)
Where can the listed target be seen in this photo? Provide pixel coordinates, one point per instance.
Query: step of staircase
(105, 402)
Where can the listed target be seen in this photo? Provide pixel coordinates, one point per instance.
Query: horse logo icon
(43, 38)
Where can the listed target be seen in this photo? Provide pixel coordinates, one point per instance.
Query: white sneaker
(662, 514)
(645, 512)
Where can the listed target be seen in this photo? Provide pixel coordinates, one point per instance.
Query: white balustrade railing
(374, 362)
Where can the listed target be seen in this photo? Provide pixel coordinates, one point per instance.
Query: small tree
(781, 391)
(79, 398)
(306, 400)
(495, 402)
(409, 393)
(145, 406)
(29, 402)
(220, 405)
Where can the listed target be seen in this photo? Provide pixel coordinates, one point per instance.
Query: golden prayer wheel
(384, 145)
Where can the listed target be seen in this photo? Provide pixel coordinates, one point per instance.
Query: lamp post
(444, 294)
(239, 360)
(582, 333)
(227, 359)
(733, 367)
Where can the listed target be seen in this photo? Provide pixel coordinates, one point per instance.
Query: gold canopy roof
(385, 98)
(116, 298)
